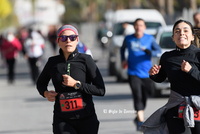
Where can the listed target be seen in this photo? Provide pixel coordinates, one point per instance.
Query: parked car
(153, 20)
(164, 39)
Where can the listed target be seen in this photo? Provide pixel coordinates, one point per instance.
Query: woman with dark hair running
(182, 68)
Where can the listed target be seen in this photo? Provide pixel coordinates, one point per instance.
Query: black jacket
(82, 68)
(181, 82)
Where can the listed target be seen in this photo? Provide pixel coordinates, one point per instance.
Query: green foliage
(198, 3)
(76, 8)
(10, 20)
(72, 11)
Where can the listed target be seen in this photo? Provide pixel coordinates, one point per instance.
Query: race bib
(71, 101)
(196, 112)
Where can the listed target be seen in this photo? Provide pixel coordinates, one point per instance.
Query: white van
(153, 20)
(152, 17)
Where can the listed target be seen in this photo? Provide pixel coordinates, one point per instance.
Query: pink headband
(66, 27)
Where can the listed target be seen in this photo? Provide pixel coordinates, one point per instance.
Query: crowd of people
(30, 44)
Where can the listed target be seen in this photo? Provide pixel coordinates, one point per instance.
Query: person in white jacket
(34, 46)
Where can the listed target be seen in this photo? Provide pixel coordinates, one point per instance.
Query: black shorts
(141, 88)
(87, 125)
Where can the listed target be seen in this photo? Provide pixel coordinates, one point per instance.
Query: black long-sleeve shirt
(181, 82)
(82, 68)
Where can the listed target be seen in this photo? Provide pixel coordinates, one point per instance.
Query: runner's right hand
(50, 95)
(154, 70)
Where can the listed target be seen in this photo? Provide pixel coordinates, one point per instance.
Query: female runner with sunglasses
(76, 78)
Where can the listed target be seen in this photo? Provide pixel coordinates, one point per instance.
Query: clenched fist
(154, 70)
(50, 95)
(185, 66)
(68, 81)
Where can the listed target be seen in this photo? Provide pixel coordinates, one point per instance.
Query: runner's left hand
(185, 66)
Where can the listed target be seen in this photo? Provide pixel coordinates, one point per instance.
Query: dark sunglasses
(64, 38)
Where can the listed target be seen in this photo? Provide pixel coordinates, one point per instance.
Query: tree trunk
(193, 5)
(170, 7)
(161, 5)
(134, 3)
(170, 11)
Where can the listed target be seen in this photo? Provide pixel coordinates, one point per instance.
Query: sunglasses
(64, 38)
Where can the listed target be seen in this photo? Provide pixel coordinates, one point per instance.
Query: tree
(193, 5)
(7, 16)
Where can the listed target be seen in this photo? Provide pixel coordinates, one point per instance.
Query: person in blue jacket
(140, 47)
(83, 49)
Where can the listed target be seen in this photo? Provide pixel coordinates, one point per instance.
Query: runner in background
(10, 46)
(83, 49)
(141, 47)
(196, 19)
(34, 49)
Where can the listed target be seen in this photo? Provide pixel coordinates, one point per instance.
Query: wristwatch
(77, 85)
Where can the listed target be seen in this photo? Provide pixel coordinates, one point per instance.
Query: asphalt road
(24, 111)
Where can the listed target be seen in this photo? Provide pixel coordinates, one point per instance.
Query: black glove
(147, 51)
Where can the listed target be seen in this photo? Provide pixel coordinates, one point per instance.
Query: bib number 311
(71, 102)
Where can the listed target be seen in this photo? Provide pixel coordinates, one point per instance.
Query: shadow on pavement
(113, 97)
(115, 120)
(35, 99)
(23, 131)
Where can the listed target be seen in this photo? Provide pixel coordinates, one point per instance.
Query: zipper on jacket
(68, 72)
(68, 69)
